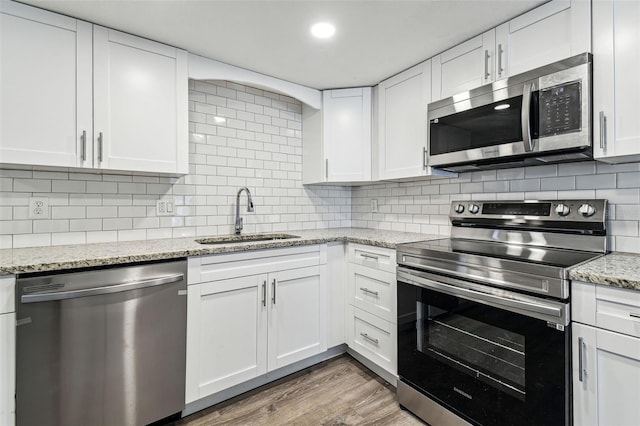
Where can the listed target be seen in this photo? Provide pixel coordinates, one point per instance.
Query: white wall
(258, 146)
(424, 206)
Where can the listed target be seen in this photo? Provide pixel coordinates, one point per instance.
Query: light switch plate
(165, 208)
(38, 208)
(374, 206)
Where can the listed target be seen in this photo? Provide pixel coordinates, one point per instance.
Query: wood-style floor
(337, 392)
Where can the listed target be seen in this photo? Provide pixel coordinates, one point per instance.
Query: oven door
(490, 356)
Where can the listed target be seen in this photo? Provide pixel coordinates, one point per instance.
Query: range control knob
(473, 208)
(459, 208)
(587, 210)
(562, 209)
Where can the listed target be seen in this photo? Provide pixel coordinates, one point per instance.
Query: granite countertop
(615, 269)
(55, 258)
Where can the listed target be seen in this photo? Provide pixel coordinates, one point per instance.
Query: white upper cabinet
(402, 118)
(78, 95)
(402, 124)
(337, 139)
(140, 98)
(45, 85)
(616, 85)
(464, 67)
(552, 32)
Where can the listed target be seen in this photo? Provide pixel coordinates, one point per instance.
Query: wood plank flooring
(340, 391)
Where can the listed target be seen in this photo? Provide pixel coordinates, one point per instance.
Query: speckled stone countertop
(42, 259)
(615, 269)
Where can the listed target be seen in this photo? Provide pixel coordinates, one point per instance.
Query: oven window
(489, 353)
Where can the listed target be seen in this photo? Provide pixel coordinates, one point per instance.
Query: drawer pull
(366, 290)
(634, 314)
(371, 339)
(369, 256)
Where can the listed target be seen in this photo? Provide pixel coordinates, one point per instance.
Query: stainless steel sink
(243, 238)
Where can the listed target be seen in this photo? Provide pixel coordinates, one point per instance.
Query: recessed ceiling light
(323, 30)
(501, 106)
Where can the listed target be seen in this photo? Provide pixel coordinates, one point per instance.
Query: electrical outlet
(165, 207)
(374, 206)
(38, 208)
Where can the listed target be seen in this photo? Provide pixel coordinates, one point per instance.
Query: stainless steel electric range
(484, 327)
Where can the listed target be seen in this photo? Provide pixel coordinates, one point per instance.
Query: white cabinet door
(616, 87)
(45, 85)
(226, 334)
(346, 132)
(140, 98)
(554, 31)
(297, 317)
(7, 368)
(464, 67)
(607, 391)
(402, 121)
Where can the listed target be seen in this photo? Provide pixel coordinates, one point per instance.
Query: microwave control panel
(560, 109)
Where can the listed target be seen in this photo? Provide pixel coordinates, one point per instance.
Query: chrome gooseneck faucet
(249, 208)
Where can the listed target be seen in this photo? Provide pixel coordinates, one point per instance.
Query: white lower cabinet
(606, 355)
(7, 351)
(606, 393)
(250, 313)
(371, 311)
(231, 325)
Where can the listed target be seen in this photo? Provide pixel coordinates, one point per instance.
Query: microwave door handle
(526, 117)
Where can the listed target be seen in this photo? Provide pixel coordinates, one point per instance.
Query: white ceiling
(374, 39)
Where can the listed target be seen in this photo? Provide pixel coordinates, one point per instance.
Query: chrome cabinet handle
(366, 290)
(83, 138)
(264, 293)
(100, 147)
(273, 285)
(500, 52)
(603, 130)
(369, 256)
(371, 339)
(634, 315)
(326, 168)
(486, 64)
(424, 158)
(525, 117)
(109, 289)
(582, 372)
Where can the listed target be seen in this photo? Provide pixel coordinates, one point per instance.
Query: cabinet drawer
(374, 257)
(373, 291)
(223, 266)
(374, 339)
(618, 310)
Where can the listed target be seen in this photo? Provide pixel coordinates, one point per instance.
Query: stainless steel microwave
(538, 117)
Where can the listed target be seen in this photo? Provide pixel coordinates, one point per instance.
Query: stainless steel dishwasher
(101, 347)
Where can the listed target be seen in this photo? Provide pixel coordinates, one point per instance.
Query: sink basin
(243, 238)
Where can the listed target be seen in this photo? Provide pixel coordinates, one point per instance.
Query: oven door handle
(536, 309)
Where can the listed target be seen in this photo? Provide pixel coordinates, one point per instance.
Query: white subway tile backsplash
(542, 182)
(260, 146)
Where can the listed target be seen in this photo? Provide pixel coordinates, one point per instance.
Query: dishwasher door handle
(108, 289)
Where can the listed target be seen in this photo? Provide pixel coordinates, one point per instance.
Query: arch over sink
(201, 68)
